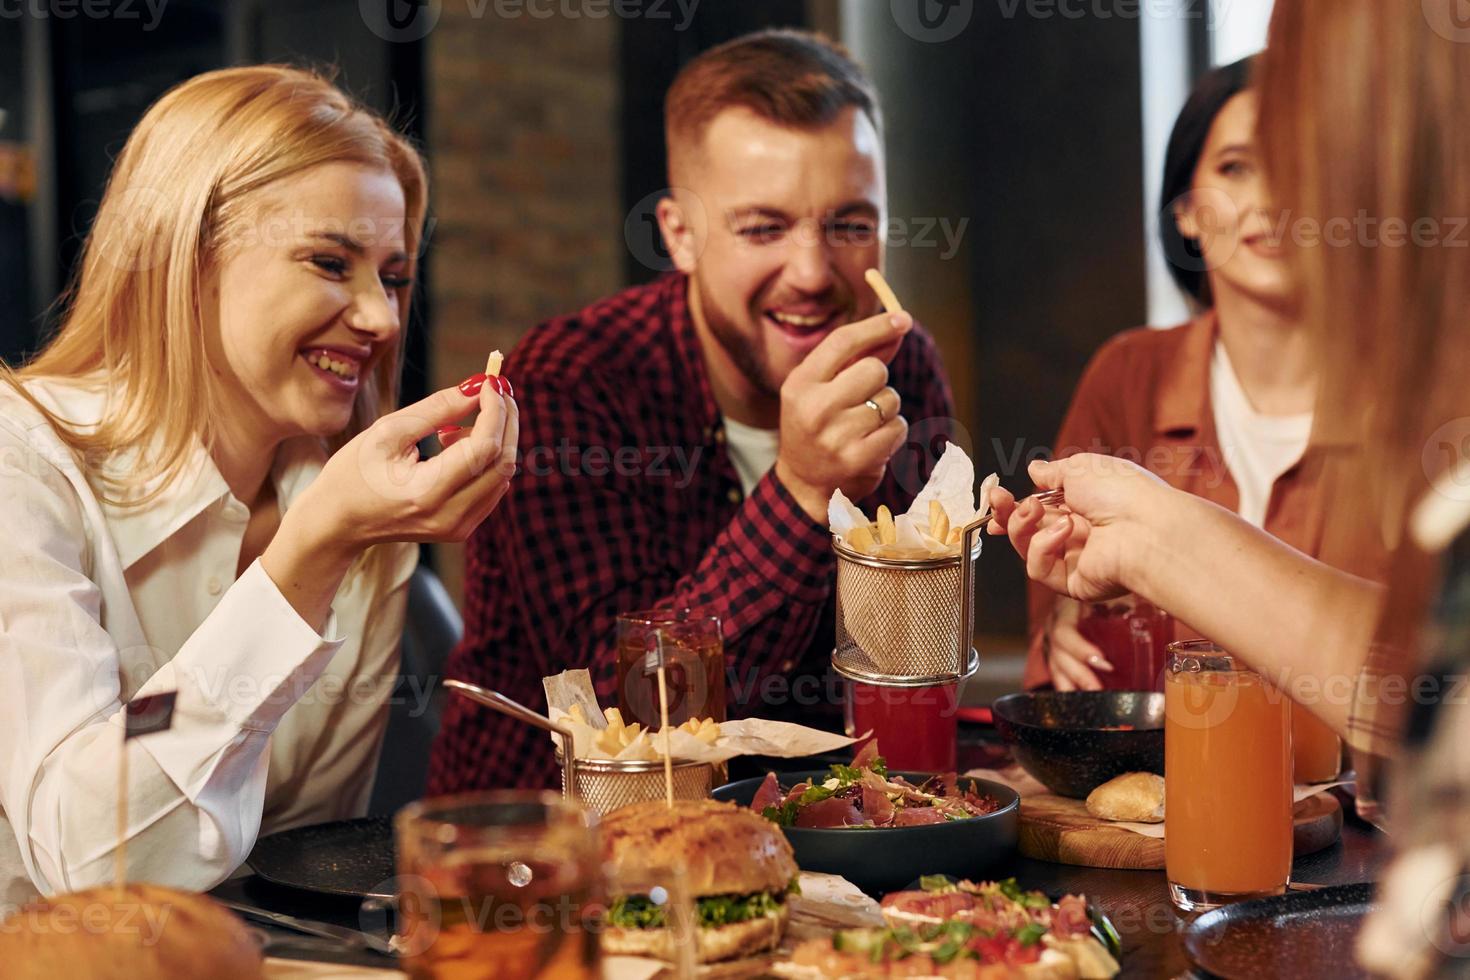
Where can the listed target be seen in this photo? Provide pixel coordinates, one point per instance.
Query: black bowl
(1069, 740)
(882, 859)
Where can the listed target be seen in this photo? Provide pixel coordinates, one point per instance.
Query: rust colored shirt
(1145, 396)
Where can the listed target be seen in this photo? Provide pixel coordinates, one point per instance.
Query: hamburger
(141, 931)
(738, 865)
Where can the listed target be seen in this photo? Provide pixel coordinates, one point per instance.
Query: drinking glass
(503, 885)
(1134, 635)
(1316, 749)
(694, 657)
(1227, 780)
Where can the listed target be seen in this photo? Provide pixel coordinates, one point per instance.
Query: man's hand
(830, 438)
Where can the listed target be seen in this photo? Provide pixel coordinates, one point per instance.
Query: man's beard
(742, 350)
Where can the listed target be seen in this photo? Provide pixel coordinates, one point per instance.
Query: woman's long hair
(1363, 122)
(1365, 127)
(184, 187)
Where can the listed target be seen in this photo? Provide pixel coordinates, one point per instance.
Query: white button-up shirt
(275, 725)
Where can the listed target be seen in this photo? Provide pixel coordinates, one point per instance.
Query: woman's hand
(1089, 548)
(1071, 658)
(377, 489)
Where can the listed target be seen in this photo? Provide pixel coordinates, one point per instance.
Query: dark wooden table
(1138, 901)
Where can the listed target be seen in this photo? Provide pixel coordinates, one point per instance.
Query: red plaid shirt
(627, 499)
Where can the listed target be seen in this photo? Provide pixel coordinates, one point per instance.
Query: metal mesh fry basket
(905, 619)
(605, 785)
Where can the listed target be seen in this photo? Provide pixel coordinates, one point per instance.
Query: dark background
(1029, 128)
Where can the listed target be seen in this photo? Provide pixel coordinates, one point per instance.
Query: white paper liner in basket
(747, 736)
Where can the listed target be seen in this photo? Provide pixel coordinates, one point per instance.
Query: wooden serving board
(1055, 828)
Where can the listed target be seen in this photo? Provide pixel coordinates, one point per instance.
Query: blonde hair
(1364, 109)
(186, 181)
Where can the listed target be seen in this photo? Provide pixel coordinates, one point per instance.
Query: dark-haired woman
(1222, 406)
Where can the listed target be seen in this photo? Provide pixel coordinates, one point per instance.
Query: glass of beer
(1134, 635)
(1227, 780)
(502, 885)
(694, 658)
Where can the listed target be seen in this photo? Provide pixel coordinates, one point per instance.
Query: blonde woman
(206, 491)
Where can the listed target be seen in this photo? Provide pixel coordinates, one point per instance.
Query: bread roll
(1137, 797)
(144, 931)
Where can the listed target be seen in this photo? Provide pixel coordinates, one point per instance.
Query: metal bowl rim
(1019, 696)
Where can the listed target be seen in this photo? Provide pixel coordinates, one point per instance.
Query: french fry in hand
(887, 533)
(883, 291)
(860, 539)
(492, 365)
(938, 521)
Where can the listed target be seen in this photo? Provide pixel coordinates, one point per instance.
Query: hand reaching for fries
(840, 421)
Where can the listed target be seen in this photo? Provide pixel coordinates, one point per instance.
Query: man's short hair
(799, 79)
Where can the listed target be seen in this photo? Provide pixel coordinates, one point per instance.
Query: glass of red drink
(1134, 635)
(917, 727)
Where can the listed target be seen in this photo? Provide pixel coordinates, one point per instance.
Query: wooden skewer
(886, 295)
(663, 711)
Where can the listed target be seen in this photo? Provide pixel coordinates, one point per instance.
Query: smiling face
(776, 226)
(305, 303)
(1228, 211)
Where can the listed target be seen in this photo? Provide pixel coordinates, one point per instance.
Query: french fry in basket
(938, 521)
(861, 539)
(887, 533)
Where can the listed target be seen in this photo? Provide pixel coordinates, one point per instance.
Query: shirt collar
(137, 530)
(198, 485)
(1182, 405)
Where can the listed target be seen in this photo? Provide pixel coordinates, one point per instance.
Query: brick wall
(523, 151)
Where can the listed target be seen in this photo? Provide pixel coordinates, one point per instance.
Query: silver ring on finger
(882, 415)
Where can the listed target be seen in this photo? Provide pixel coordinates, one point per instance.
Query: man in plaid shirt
(680, 440)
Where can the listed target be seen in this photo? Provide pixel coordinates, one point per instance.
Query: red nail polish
(497, 383)
(509, 388)
(446, 430)
(470, 387)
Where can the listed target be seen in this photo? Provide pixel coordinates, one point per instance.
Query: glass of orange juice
(1315, 747)
(1227, 780)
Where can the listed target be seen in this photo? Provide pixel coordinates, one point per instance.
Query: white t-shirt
(1258, 448)
(752, 450)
